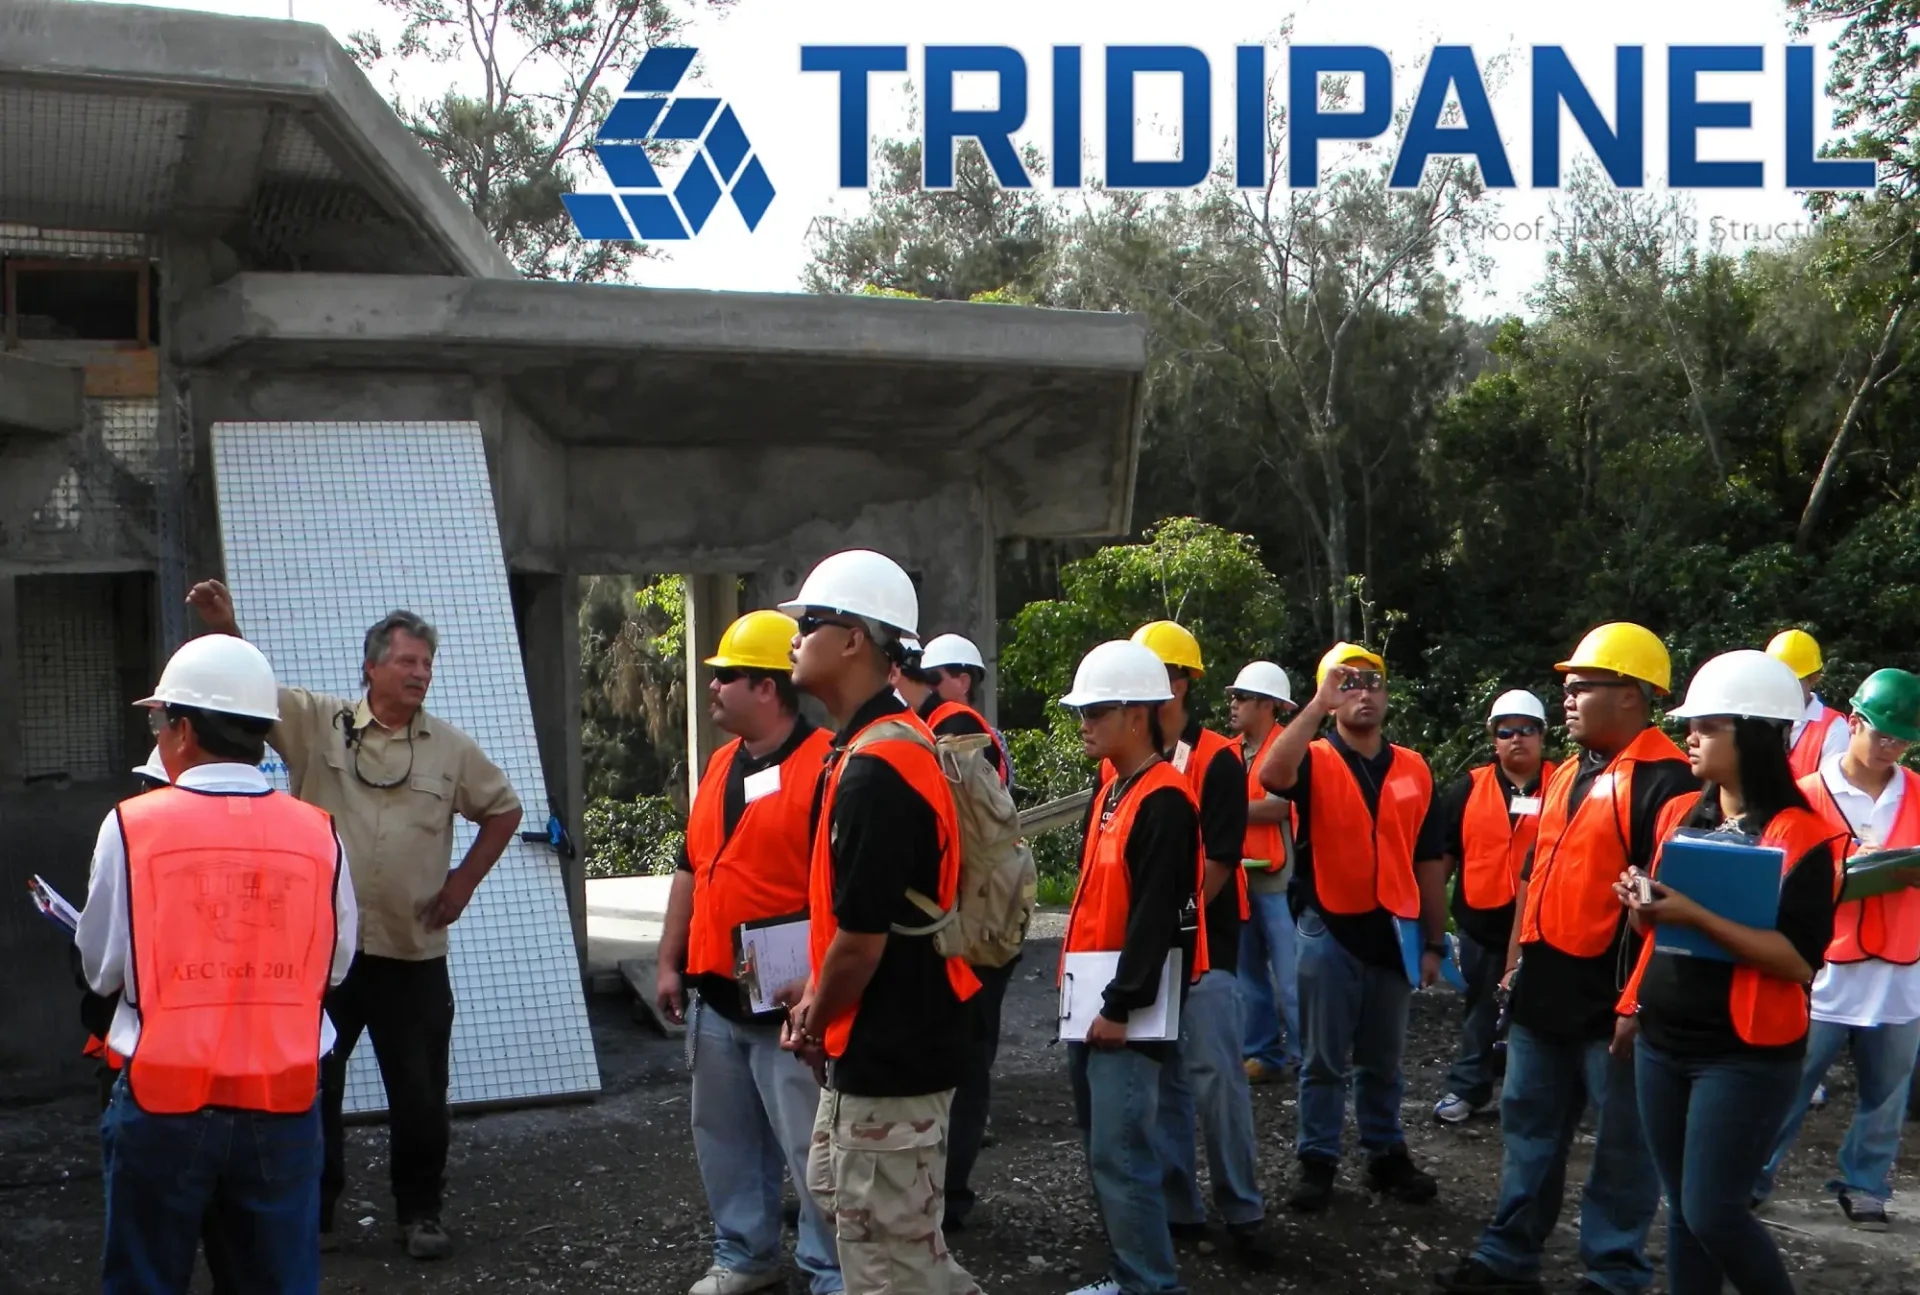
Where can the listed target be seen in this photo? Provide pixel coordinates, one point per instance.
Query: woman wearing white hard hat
(1140, 867)
(1721, 1037)
(1271, 1046)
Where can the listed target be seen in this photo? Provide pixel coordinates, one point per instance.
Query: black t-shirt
(961, 724)
(1564, 997)
(722, 993)
(1223, 827)
(907, 1039)
(1684, 1008)
(1369, 937)
(1490, 927)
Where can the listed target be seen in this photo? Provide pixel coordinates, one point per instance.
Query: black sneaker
(1250, 1247)
(1472, 1275)
(1395, 1175)
(1315, 1190)
(1864, 1212)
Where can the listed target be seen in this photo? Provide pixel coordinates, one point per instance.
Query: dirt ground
(605, 1197)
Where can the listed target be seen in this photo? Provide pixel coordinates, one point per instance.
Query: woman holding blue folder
(1722, 1004)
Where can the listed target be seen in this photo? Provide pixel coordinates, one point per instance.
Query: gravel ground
(606, 1197)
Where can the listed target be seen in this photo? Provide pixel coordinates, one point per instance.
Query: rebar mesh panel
(68, 156)
(129, 431)
(297, 154)
(70, 719)
(316, 551)
(36, 240)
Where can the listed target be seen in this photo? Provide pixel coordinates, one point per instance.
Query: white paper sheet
(771, 957)
(1084, 978)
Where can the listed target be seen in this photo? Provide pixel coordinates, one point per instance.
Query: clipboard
(1730, 875)
(1412, 946)
(769, 954)
(52, 904)
(1880, 872)
(1084, 978)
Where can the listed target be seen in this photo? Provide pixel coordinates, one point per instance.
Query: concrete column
(549, 607)
(713, 603)
(11, 701)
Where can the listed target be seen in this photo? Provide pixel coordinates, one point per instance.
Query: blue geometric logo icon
(723, 163)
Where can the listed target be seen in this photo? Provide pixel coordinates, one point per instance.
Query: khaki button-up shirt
(399, 839)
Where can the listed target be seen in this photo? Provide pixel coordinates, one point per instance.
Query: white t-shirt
(1871, 992)
(1838, 734)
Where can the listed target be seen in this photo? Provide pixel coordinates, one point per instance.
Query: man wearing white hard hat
(1141, 865)
(220, 910)
(1271, 1047)
(943, 684)
(1489, 819)
(883, 1014)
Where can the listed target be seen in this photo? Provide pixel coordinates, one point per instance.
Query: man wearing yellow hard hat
(1363, 805)
(1566, 1049)
(746, 858)
(1821, 731)
(1206, 1075)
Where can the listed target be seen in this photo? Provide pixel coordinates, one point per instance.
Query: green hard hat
(1890, 701)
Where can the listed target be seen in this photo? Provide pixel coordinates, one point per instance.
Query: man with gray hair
(393, 776)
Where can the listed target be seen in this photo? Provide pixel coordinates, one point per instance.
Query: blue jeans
(1883, 1059)
(1353, 1023)
(1267, 960)
(1206, 1072)
(1115, 1096)
(1709, 1124)
(1471, 1078)
(753, 1113)
(260, 1171)
(1549, 1086)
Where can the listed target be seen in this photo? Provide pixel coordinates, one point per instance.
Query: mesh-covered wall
(71, 723)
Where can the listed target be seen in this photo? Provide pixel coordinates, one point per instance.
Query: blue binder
(1412, 946)
(1729, 875)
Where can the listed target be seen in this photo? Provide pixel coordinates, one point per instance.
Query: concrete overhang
(41, 399)
(1046, 403)
(207, 73)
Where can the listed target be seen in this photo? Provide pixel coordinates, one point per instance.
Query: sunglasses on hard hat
(810, 623)
(1517, 730)
(1363, 681)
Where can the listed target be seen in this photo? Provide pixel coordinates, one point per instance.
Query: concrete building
(206, 219)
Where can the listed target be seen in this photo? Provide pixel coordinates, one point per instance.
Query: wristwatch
(1437, 948)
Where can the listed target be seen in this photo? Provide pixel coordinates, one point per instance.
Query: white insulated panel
(326, 527)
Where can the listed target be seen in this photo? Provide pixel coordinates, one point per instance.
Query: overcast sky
(751, 57)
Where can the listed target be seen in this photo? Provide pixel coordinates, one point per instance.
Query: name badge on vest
(1181, 754)
(764, 783)
(1602, 788)
(1524, 805)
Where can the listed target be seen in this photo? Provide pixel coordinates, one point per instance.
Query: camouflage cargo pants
(877, 1169)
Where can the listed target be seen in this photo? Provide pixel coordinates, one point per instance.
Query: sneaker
(1455, 1109)
(1819, 1100)
(1315, 1190)
(1397, 1176)
(1250, 1248)
(725, 1281)
(1864, 1212)
(1104, 1286)
(1472, 1275)
(426, 1239)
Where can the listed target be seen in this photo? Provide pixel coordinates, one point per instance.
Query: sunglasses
(1518, 730)
(810, 623)
(725, 675)
(1584, 686)
(158, 720)
(1363, 681)
(943, 672)
(1098, 711)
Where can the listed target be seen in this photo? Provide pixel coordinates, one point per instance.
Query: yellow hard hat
(1798, 649)
(1172, 643)
(757, 641)
(1626, 649)
(1344, 654)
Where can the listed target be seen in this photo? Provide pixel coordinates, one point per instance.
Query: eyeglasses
(725, 675)
(158, 721)
(1709, 727)
(1581, 687)
(1519, 730)
(810, 623)
(1098, 711)
(1363, 681)
(1887, 742)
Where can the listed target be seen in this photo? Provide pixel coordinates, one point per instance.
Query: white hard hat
(1119, 671)
(860, 582)
(951, 649)
(1265, 678)
(219, 673)
(153, 768)
(1518, 702)
(1744, 684)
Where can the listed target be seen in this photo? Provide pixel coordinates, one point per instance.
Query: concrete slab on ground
(624, 916)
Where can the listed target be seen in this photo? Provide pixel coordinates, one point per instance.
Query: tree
(516, 146)
(633, 688)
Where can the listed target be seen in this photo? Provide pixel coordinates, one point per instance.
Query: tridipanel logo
(723, 164)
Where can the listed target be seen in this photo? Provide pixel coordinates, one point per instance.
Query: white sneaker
(1453, 1109)
(1105, 1286)
(725, 1281)
(1819, 1101)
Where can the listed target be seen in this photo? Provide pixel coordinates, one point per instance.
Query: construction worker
(745, 860)
(219, 910)
(1566, 1049)
(1206, 1075)
(939, 688)
(1490, 818)
(393, 776)
(1820, 731)
(1720, 1043)
(1140, 866)
(883, 1011)
(1866, 998)
(1364, 824)
(1269, 988)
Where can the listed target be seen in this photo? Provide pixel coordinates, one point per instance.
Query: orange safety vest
(1199, 760)
(761, 870)
(919, 769)
(1767, 1012)
(1809, 750)
(1103, 898)
(1886, 927)
(946, 710)
(1570, 900)
(97, 1047)
(1357, 869)
(1264, 841)
(230, 906)
(1495, 841)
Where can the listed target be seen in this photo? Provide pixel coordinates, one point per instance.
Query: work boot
(1187, 1234)
(1250, 1248)
(426, 1239)
(1472, 1275)
(1259, 1072)
(1395, 1175)
(1864, 1212)
(1315, 1189)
